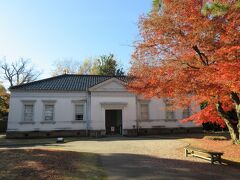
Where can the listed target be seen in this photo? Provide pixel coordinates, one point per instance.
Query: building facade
(88, 105)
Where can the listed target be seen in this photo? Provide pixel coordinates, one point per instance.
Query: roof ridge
(40, 80)
(95, 75)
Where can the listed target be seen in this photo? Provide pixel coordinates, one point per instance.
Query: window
(48, 112)
(28, 112)
(170, 115)
(186, 112)
(79, 112)
(144, 111)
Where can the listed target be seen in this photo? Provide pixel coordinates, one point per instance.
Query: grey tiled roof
(66, 82)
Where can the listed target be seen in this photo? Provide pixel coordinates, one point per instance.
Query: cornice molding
(113, 105)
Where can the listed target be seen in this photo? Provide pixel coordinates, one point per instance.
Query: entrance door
(113, 122)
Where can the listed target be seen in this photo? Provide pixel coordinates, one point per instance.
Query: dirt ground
(151, 158)
(45, 164)
(147, 158)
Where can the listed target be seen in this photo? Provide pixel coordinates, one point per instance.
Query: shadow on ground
(50, 164)
(131, 166)
(44, 164)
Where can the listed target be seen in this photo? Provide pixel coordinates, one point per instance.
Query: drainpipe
(137, 125)
(88, 109)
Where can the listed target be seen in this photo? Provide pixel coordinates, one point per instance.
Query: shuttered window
(79, 112)
(49, 112)
(28, 112)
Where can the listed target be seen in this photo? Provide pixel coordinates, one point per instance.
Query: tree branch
(202, 56)
(235, 98)
(19, 72)
(194, 67)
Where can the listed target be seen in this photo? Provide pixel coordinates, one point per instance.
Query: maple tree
(190, 52)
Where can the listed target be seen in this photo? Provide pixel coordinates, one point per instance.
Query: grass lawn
(49, 164)
(216, 143)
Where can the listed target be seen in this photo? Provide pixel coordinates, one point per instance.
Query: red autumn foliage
(190, 56)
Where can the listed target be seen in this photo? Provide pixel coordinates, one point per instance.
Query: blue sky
(48, 30)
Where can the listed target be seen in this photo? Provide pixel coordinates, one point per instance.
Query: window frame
(75, 112)
(82, 103)
(48, 103)
(141, 116)
(186, 112)
(168, 105)
(25, 103)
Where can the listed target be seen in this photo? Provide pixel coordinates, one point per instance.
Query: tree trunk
(233, 128)
(238, 125)
(235, 98)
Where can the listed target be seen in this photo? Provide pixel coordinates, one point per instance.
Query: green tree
(104, 65)
(89, 66)
(107, 65)
(157, 5)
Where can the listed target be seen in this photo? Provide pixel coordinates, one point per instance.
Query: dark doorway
(113, 121)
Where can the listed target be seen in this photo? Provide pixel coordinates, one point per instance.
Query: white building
(87, 105)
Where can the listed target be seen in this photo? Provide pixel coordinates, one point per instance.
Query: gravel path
(151, 158)
(148, 158)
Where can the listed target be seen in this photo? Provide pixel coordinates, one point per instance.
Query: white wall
(113, 93)
(114, 101)
(64, 111)
(110, 92)
(157, 116)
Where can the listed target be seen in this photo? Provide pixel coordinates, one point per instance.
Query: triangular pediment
(112, 85)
